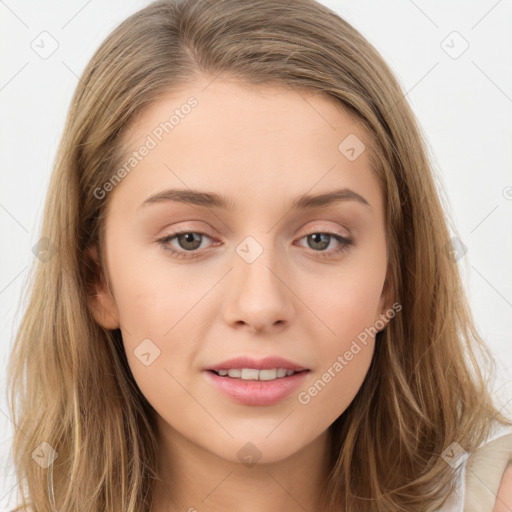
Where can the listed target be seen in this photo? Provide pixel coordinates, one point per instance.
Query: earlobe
(101, 302)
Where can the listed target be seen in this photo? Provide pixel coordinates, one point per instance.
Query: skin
(504, 496)
(262, 147)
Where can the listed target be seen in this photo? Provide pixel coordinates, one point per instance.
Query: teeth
(266, 374)
(254, 374)
(248, 374)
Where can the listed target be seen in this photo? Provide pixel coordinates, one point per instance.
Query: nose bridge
(257, 260)
(259, 296)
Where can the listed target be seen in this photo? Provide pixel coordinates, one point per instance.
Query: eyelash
(346, 244)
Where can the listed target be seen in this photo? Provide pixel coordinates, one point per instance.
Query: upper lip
(266, 363)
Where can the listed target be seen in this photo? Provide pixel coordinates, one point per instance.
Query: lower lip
(257, 392)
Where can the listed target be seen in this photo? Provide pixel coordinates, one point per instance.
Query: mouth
(248, 374)
(251, 386)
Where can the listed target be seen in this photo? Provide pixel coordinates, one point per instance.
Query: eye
(190, 242)
(321, 240)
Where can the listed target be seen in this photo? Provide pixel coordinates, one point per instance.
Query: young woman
(249, 299)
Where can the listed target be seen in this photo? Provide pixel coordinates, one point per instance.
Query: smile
(255, 374)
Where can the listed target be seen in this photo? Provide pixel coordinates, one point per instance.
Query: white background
(464, 106)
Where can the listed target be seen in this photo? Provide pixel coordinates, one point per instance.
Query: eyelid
(345, 233)
(329, 228)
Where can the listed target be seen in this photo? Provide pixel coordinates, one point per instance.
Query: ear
(101, 301)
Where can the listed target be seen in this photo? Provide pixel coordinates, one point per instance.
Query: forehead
(228, 107)
(262, 140)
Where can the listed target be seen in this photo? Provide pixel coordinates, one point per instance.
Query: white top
(455, 502)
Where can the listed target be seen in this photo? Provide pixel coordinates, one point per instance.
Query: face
(254, 277)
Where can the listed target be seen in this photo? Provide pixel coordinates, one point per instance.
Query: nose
(260, 294)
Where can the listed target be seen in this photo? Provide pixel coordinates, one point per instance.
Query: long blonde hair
(78, 407)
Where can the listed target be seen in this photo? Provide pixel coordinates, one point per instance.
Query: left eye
(322, 240)
(190, 241)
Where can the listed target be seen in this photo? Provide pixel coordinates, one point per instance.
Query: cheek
(347, 301)
(349, 312)
(348, 306)
(148, 293)
(345, 347)
(159, 302)
(333, 389)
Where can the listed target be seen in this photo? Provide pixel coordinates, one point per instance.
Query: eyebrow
(214, 200)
